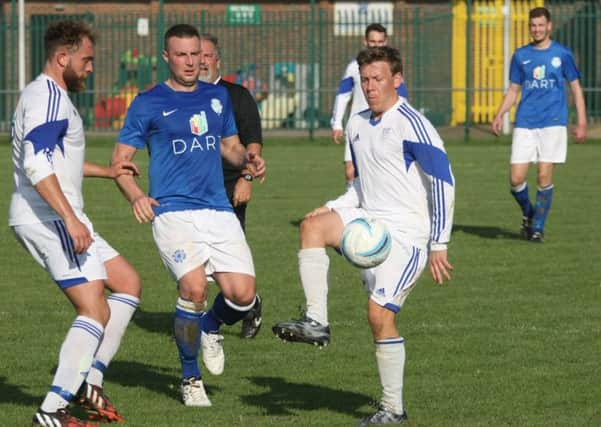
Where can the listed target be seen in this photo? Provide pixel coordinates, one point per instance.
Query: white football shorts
(549, 145)
(390, 283)
(52, 248)
(190, 239)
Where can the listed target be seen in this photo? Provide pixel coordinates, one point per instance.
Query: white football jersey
(47, 138)
(350, 86)
(403, 174)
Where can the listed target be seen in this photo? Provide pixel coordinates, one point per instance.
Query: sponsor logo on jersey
(539, 72)
(168, 113)
(206, 143)
(556, 62)
(539, 81)
(216, 106)
(198, 123)
(527, 61)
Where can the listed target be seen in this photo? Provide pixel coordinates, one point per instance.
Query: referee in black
(238, 183)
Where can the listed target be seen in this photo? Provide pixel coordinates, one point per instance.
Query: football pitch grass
(513, 340)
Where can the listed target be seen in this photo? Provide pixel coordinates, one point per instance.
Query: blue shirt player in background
(188, 126)
(540, 70)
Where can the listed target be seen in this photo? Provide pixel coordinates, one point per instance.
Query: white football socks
(390, 357)
(75, 359)
(313, 264)
(122, 308)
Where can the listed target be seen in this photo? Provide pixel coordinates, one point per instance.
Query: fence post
(161, 66)
(468, 74)
(312, 62)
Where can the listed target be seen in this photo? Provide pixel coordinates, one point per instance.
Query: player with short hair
(238, 182)
(404, 179)
(188, 126)
(540, 70)
(46, 214)
(350, 88)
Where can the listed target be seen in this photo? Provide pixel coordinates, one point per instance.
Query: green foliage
(514, 339)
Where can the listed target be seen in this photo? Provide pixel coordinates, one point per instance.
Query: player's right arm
(131, 138)
(508, 101)
(141, 204)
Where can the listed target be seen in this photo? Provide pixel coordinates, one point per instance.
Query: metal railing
(291, 59)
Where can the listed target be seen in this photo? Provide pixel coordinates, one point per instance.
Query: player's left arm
(122, 167)
(580, 130)
(232, 149)
(250, 133)
(572, 74)
(429, 153)
(235, 153)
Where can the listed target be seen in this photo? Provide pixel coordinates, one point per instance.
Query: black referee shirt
(248, 122)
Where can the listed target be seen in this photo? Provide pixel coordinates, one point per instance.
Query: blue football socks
(520, 193)
(544, 197)
(223, 311)
(187, 336)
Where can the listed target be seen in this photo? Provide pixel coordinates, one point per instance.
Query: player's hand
(256, 165)
(319, 211)
(580, 134)
(497, 125)
(79, 233)
(440, 266)
(123, 167)
(242, 192)
(142, 208)
(337, 135)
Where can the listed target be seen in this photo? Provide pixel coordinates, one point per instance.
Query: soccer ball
(366, 242)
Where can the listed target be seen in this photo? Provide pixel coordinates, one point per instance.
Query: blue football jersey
(182, 131)
(542, 73)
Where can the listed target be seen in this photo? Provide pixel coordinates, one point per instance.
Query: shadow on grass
(484, 231)
(10, 393)
(159, 322)
(156, 379)
(487, 232)
(162, 323)
(283, 396)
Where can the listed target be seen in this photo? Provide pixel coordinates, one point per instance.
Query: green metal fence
(290, 59)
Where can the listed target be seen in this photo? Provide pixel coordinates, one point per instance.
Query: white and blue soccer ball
(366, 242)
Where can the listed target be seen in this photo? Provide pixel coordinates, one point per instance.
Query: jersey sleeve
(229, 122)
(135, 128)
(247, 119)
(44, 127)
(516, 74)
(402, 90)
(570, 70)
(423, 145)
(343, 97)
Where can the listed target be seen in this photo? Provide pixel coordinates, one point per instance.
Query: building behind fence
(291, 55)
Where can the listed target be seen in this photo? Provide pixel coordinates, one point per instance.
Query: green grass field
(513, 340)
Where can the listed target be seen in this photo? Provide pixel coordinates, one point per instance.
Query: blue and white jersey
(542, 73)
(47, 138)
(182, 131)
(350, 87)
(403, 174)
